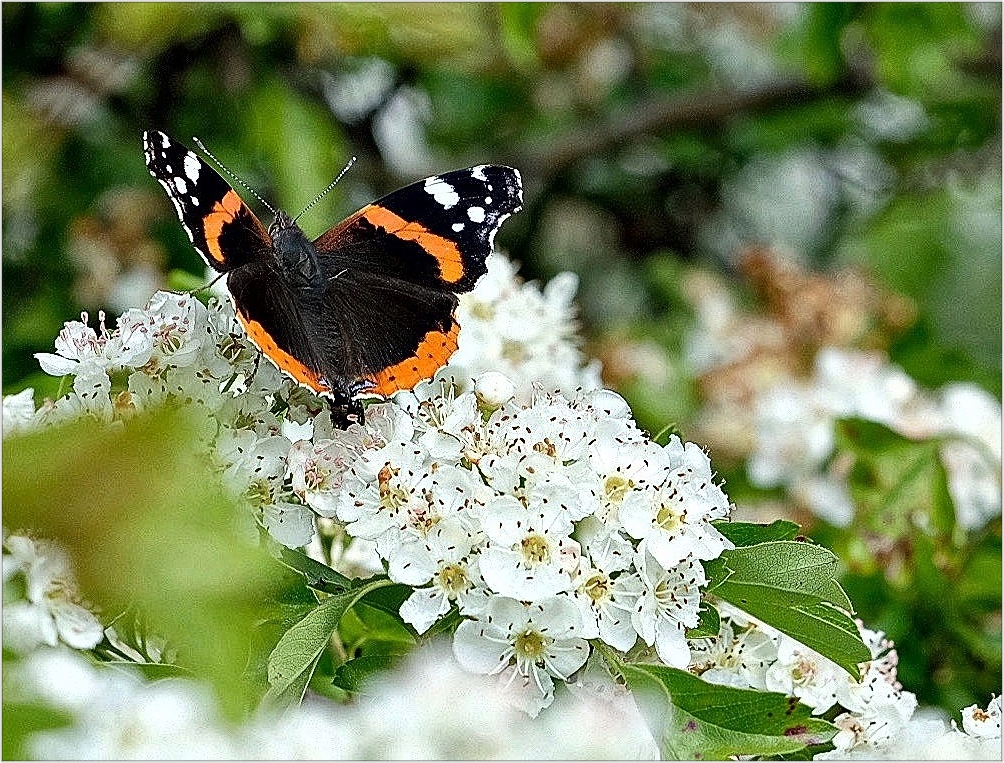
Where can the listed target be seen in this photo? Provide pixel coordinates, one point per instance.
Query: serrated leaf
(749, 533)
(692, 719)
(294, 657)
(792, 587)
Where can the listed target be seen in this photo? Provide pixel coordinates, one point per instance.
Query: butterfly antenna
(330, 186)
(233, 177)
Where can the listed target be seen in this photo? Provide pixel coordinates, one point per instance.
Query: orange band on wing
(451, 264)
(432, 353)
(223, 212)
(281, 358)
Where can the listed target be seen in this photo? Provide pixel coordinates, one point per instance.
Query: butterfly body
(368, 307)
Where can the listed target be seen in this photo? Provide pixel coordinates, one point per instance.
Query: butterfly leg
(345, 407)
(346, 412)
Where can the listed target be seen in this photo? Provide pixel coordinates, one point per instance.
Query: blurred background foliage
(667, 150)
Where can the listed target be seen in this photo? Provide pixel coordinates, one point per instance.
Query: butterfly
(367, 308)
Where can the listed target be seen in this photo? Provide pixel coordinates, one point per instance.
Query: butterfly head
(294, 252)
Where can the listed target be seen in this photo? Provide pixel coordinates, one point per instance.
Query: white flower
(624, 468)
(381, 489)
(529, 644)
(50, 611)
(806, 674)
(118, 716)
(18, 411)
(443, 558)
(673, 518)
(528, 335)
(973, 460)
(180, 326)
(131, 345)
(667, 604)
(493, 389)
(737, 656)
(317, 470)
(246, 457)
(794, 433)
(525, 556)
(605, 596)
(93, 390)
(77, 346)
(292, 524)
(983, 723)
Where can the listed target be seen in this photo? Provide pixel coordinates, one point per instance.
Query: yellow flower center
(531, 644)
(536, 549)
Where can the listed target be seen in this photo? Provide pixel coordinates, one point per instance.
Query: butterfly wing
(232, 240)
(221, 227)
(394, 268)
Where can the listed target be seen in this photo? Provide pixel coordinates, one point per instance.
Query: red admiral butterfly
(368, 307)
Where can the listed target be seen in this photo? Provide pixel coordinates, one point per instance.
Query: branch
(661, 114)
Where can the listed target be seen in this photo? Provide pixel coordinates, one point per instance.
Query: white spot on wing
(457, 227)
(479, 172)
(180, 185)
(477, 214)
(442, 192)
(192, 167)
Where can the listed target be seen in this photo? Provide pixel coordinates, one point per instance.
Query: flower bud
(493, 390)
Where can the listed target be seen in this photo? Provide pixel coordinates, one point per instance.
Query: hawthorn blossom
(673, 518)
(529, 645)
(512, 492)
(45, 608)
(794, 433)
(667, 604)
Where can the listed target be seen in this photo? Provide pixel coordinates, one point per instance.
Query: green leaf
(692, 719)
(294, 658)
(897, 484)
(749, 534)
(373, 630)
(317, 574)
(352, 675)
(292, 662)
(709, 625)
(791, 586)
(147, 526)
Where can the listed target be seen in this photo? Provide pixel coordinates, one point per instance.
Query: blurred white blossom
(794, 433)
(41, 605)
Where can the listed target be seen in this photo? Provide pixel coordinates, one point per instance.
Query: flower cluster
(429, 709)
(546, 519)
(761, 404)
(528, 500)
(547, 524)
(795, 433)
(750, 654)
